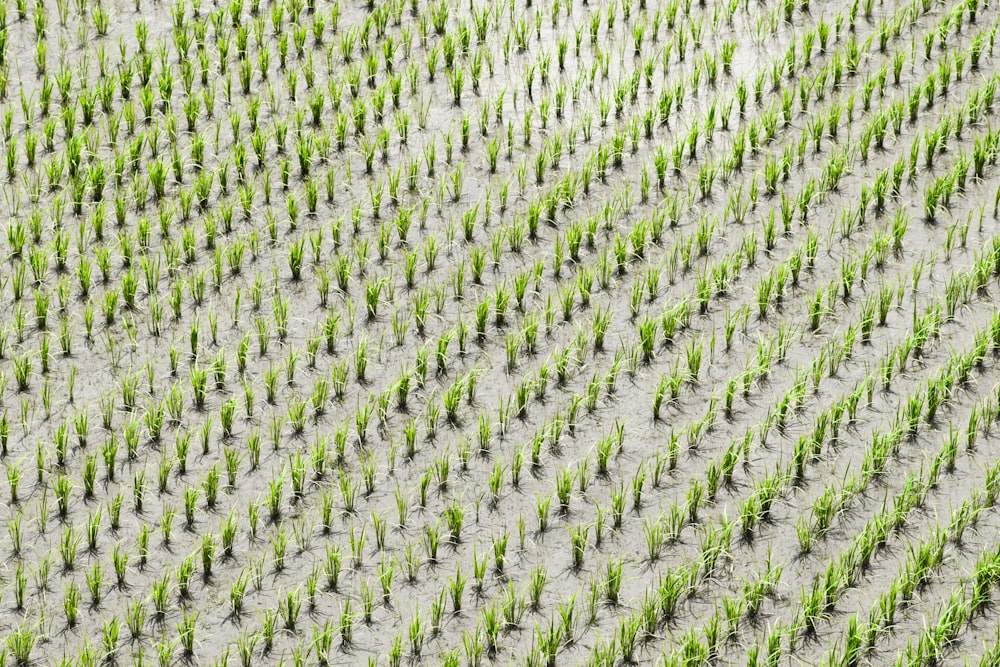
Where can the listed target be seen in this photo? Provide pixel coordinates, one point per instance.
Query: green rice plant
(693, 356)
(288, 608)
(269, 621)
(536, 585)
(750, 516)
(542, 512)
(432, 541)
(322, 642)
(159, 594)
(207, 550)
(279, 547)
(71, 604)
(14, 530)
(452, 399)
(694, 496)
(183, 575)
(804, 532)
(95, 583)
(638, 481)
(673, 522)
(647, 337)
(617, 507)
(22, 371)
(604, 452)
(211, 485)
(346, 624)
(361, 360)
(564, 486)
(190, 503)
(613, 580)
(62, 486)
(456, 588)
(110, 630)
(186, 630)
(417, 634)
(120, 560)
(653, 530)
(68, 546)
(454, 517)
(21, 642)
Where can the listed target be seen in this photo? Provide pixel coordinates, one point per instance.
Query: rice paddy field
(520, 332)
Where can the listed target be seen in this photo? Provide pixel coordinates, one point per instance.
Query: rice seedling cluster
(516, 332)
